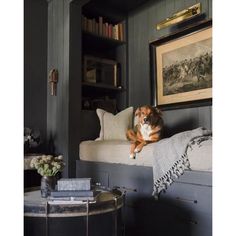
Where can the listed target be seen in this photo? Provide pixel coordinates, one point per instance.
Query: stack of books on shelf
(102, 28)
(73, 189)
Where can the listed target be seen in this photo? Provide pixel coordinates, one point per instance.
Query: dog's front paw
(132, 156)
(136, 150)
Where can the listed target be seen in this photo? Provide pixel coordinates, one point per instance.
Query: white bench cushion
(111, 151)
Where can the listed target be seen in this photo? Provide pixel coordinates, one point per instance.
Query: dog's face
(149, 115)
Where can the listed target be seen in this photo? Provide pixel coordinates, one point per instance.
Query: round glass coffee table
(100, 217)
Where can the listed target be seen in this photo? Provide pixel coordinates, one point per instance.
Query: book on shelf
(96, 28)
(110, 31)
(100, 25)
(104, 30)
(120, 32)
(115, 32)
(107, 30)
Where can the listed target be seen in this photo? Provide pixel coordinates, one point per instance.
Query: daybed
(183, 209)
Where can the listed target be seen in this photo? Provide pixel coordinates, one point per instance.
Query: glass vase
(48, 184)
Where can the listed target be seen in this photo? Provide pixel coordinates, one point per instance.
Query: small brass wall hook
(53, 80)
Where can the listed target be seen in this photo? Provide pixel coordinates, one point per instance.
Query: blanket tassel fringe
(175, 172)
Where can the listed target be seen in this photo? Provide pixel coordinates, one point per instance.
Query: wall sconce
(53, 80)
(180, 16)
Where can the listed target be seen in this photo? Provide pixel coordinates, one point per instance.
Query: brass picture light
(180, 16)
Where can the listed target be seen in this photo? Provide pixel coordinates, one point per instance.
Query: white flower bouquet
(47, 165)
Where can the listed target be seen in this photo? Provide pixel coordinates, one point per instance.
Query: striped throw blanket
(170, 158)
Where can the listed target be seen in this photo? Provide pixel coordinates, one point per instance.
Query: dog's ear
(155, 117)
(158, 111)
(137, 112)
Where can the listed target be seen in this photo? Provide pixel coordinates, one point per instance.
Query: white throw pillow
(114, 127)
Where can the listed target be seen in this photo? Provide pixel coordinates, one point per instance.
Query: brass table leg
(87, 219)
(115, 200)
(46, 219)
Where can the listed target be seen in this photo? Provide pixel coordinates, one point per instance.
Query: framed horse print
(182, 66)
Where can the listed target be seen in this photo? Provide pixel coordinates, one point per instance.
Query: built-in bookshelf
(104, 58)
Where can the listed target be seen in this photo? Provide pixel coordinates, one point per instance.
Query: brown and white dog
(147, 130)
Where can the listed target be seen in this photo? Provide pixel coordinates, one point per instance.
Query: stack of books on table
(73, 189)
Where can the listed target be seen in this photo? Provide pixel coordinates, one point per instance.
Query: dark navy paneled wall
(141, 31)
(35, 65)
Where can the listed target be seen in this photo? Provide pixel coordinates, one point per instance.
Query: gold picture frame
(183, 66)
